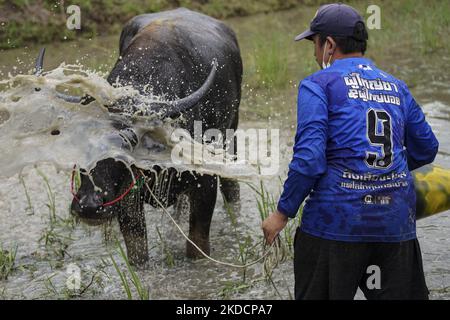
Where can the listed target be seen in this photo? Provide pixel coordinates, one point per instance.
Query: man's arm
(420, 142)
(309, 160)
(296, 189)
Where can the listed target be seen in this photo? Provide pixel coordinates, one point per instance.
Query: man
(359, 134)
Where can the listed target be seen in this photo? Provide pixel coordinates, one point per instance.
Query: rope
(266, 254)
(120, 198)
(110, 203)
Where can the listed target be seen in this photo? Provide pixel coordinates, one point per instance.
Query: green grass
(267, 204)
(167, 253)
(425, 23)
(51, 205)
(420, 26)
(231, 288)
(57, 235)
(245, 242)
(7, 262)
(29, 209)
(269, 62)
(129, 275)
(274, 64)
(45, 21)
(60, 290)
(55, 242)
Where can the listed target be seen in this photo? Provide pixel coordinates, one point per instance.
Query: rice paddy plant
(7, 262)
(29, 209)
(50, 196)
(245, 246)
(267, 204)
(54, 292)
(55, 241)
(168, 256)
(270, 62)
(231, 288)
(124, 275)
(50, 286)
(58, 285)
(94, 286)
(56, 237)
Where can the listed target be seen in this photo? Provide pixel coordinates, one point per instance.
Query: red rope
(122, 196)
(108, 204)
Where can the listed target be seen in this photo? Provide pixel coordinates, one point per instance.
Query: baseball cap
(335, 19)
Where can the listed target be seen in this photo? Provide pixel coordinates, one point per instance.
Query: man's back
(359, 134)
(365, 191)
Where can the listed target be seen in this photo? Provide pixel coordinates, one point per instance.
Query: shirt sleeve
(420, 142)
(309, 160)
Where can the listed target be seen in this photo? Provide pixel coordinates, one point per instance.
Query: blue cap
(335, 19)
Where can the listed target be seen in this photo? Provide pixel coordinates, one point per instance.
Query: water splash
(38, 127)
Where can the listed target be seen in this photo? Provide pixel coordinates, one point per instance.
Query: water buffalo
(193, 61)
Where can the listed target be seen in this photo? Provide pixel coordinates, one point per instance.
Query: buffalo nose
(88, 205)
(91, 201)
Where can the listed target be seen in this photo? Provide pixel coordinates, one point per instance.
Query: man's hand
(273, 225)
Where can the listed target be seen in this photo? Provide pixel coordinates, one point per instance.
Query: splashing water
(38, 127)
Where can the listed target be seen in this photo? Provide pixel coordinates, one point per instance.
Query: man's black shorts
(327, 269)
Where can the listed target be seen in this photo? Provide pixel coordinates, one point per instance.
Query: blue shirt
(359, 133)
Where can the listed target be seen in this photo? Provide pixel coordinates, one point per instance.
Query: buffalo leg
(202, 198)
(230, 190)
(134, 229)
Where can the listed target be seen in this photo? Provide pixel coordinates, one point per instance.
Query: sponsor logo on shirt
(365, 89)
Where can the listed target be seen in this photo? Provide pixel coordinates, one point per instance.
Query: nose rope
(272, 250)
(110, 203)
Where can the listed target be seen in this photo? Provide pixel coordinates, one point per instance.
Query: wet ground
(49, 249)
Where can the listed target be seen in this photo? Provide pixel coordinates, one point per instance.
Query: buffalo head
(95, 199)
(101, 190)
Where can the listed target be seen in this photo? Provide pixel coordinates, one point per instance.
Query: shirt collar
(352, 61)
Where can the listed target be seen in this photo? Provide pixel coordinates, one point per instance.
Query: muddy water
(48, 252)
